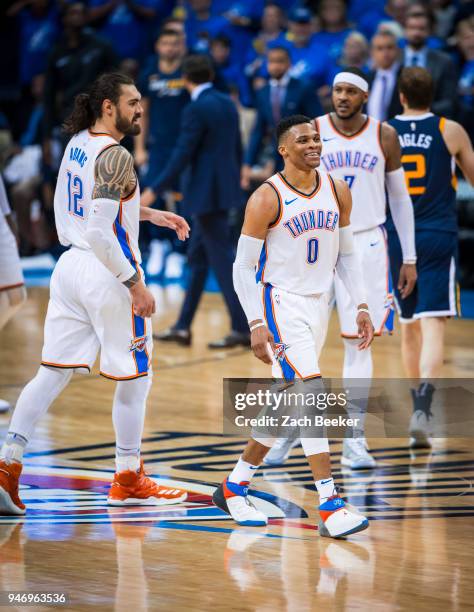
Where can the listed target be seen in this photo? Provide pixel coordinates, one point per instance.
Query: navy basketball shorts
(436, 293)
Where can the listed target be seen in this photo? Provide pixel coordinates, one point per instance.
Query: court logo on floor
(64, 495)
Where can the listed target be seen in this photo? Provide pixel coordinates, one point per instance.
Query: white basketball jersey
(301, 248)
(360, 161)
(73, 196)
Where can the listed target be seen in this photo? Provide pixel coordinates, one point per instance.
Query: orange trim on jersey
(358, 133)
(65, 366)
(312, 376)
(123, 377)
(95, 134)
(109, 146)
(355, 337)
(334, 192)
(130, 195)
(280, 205)
(6, 287)
(279, 333)
(316, 124)
(442, 124)
(308, 196)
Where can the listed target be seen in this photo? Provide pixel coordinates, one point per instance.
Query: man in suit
(281, 97)
(209, 146)
(384, 101)
(438, 64)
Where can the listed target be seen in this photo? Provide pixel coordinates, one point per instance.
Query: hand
(365, 330)
(143, 302)
(148, 197)
(260, 338)
(245, 176)
(164, 218)
(407, 279)
(141, 157)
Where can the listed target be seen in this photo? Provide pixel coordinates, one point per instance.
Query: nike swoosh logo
(325, 481)
(253, 468)
(328, 139)
(374, 243)
(290, 201)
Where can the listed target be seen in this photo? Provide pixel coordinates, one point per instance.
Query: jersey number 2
(418, 172)
(74, 195)
(313, 248)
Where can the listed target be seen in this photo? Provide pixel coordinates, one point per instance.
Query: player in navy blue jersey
(431, 147)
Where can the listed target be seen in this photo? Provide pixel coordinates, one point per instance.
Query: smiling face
(301, 146)
(348, 100)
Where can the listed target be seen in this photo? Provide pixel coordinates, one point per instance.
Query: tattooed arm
(114, 179)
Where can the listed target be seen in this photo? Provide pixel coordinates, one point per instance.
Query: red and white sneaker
(10, 502)
(131, 488)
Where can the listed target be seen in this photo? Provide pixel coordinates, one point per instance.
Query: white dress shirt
(381, 92)
(197, 91)
(415, 57)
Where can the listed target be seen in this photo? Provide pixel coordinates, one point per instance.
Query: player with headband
(366, 154)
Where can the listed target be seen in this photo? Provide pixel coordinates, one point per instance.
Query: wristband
(363, 310)
(261, 324)
(409, 260)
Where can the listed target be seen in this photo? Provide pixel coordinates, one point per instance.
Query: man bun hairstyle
(288, 122)
(88, 106)
(416, 84)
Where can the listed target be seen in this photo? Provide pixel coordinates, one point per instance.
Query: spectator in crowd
(438, 64)
(209, 143)
(38, 31)
(76, 60)
(201, 25)
(465, 43)
(127, 24)
(372, 16)
(335, 28)
(384, 100)
(271, 30)
(225, 71)
(243, 19)
(283, 95)
(445, 14)
(164, 98)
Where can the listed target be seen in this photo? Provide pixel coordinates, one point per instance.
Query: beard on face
(127, 126)
(353, 114)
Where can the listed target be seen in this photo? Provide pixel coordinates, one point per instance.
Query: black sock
(422, 398)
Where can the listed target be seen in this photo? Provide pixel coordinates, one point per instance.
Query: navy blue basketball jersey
(429, 171)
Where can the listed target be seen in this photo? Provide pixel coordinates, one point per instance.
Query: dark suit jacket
(394, 107)
(300, 99)
(209, 146)
(445, 76)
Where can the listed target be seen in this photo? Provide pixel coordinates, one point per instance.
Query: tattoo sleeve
(113, 173)
(133, 280)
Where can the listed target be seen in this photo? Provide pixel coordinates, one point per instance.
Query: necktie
(383, 98)
(276, 91)
(414, 60)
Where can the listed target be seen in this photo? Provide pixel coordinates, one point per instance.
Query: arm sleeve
(348, 267)
(401, 208)
(103, 241)
(248, 253)
(190, 135)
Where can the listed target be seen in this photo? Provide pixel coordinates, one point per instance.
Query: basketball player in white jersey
(297, 227)
(12, 284)
(98, 298)
(366, 155)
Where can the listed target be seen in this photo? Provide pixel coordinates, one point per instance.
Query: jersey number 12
(74, 195)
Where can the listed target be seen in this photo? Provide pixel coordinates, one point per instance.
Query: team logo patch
(280, 350)
(70, 495)
(138, 344)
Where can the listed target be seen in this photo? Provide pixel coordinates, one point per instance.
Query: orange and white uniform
(296, 269)
(90, 309)
(360, 161)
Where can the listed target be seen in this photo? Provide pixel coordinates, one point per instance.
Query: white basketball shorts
(371, 248)
(299, 326)
(89, 309)
(11, 275)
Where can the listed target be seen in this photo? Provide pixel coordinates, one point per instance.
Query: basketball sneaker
(280, 450)
(420, 429)
(4, 406)
(131, 488)
(355, 454)
(337, 521)
(233, 499)
(10, 502)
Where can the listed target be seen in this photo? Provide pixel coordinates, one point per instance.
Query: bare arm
(391, 148)
(345, 202)
(460, 147)
(114, 174)
(261, 211)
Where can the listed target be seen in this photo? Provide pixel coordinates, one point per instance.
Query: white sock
(326, 488)
(127, 460)
(13, 448)
(242, 472)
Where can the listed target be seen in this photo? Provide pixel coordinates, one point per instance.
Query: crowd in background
(273, 58)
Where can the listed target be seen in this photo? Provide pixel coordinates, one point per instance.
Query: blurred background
(272, 58)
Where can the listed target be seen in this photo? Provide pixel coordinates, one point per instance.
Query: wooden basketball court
(417, 555)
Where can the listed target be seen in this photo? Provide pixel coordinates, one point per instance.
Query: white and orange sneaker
(10, 502)
(131, 488)
(337, 521)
